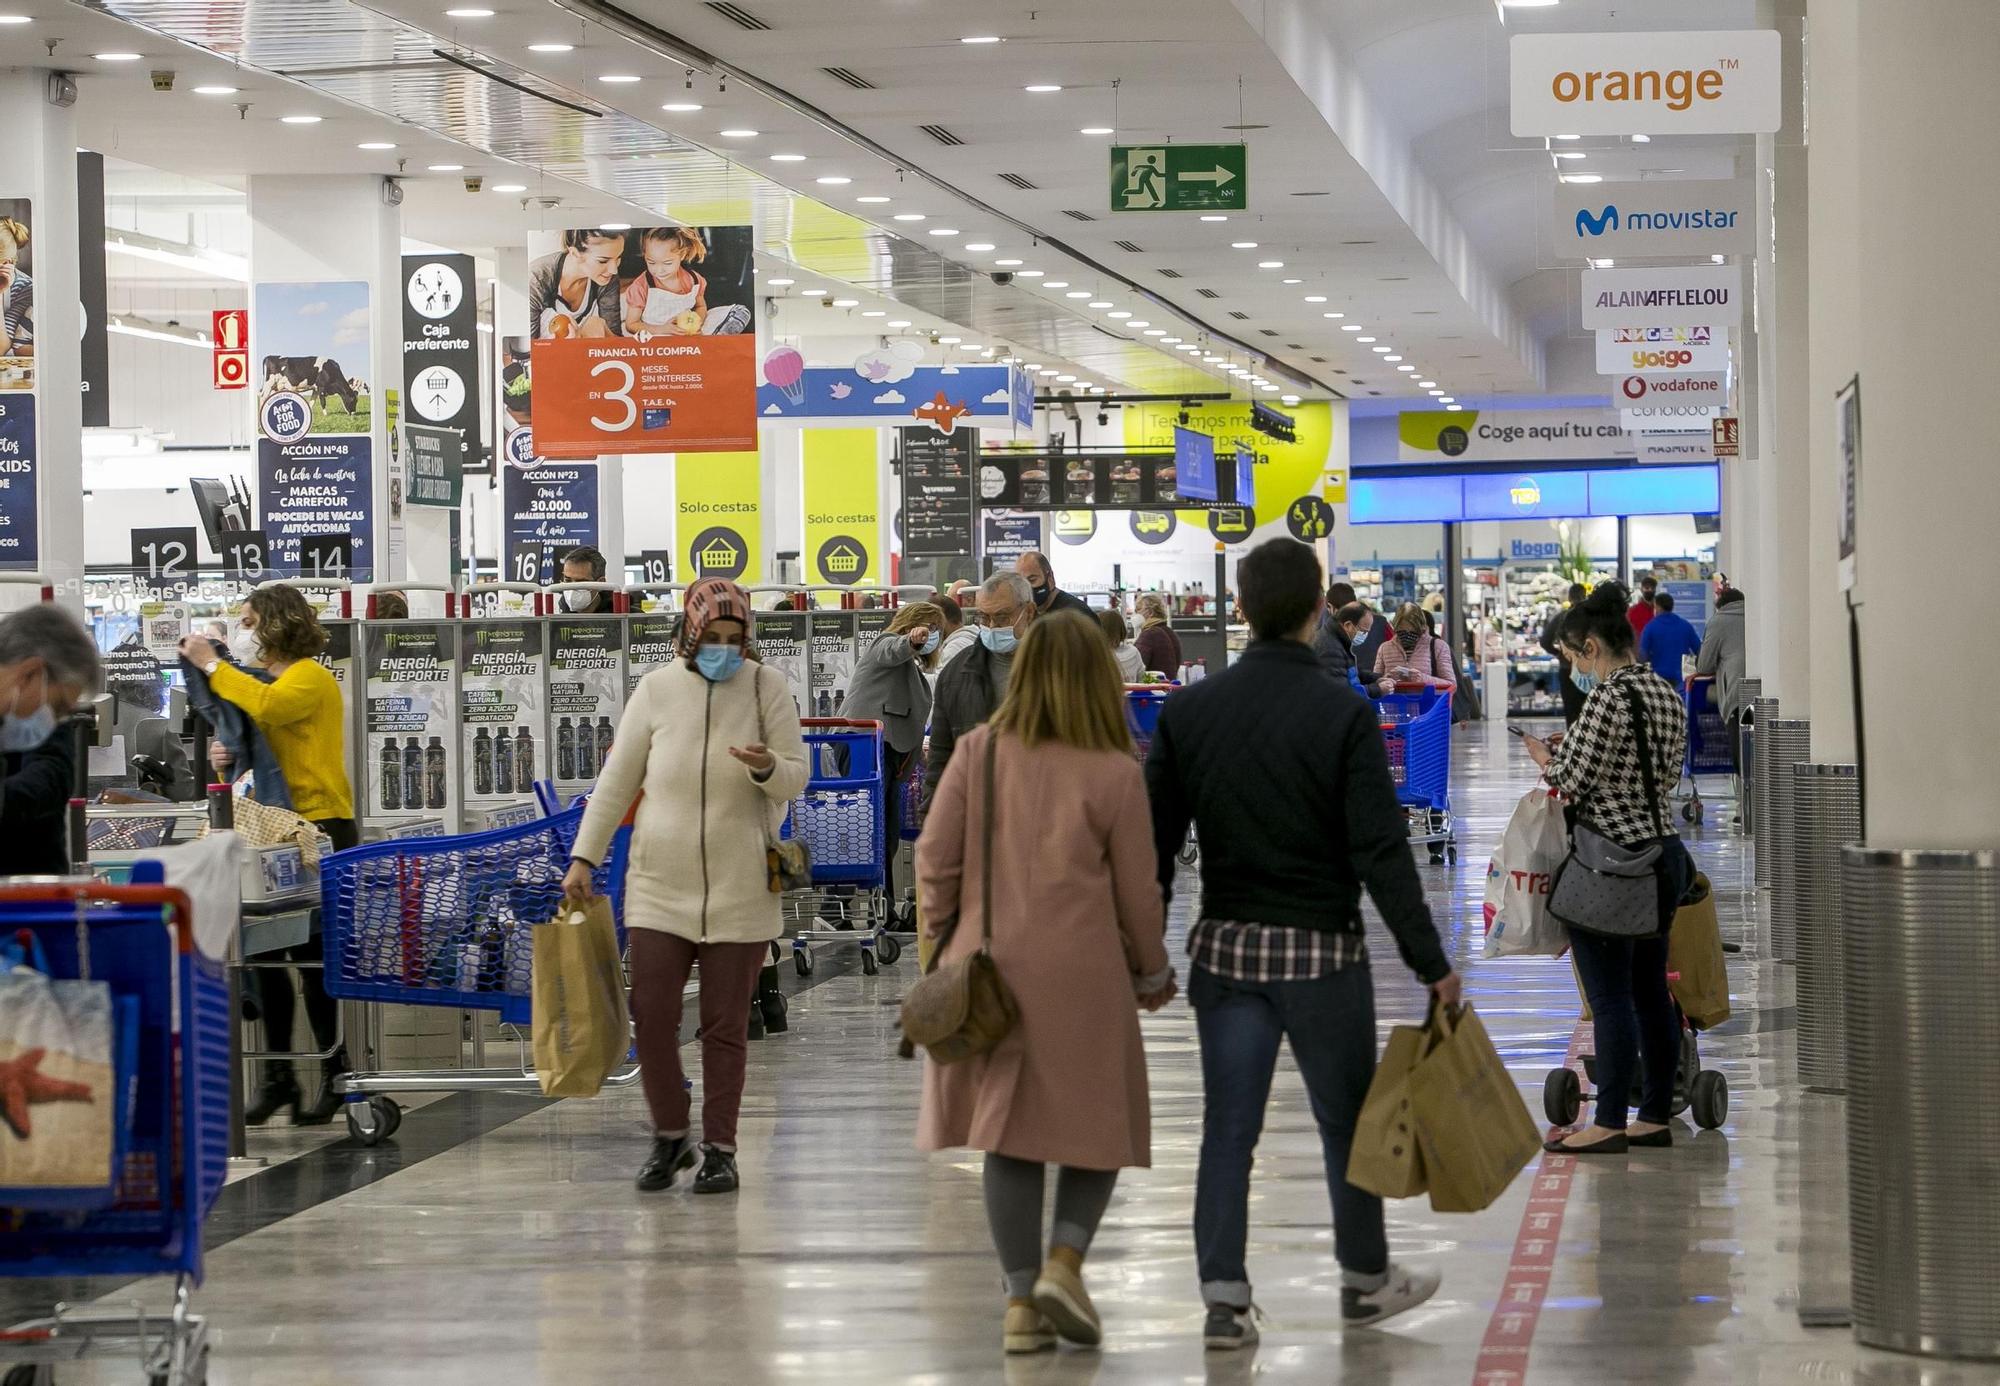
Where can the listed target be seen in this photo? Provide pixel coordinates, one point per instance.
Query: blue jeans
(1632, 1018)
(1330, 1022)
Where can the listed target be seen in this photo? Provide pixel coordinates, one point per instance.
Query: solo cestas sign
(1684, 218)
(1700, 295)
(1700, 82)
(441, 348)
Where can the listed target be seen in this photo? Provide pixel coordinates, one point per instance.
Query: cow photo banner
(643, 340)
(315, 458)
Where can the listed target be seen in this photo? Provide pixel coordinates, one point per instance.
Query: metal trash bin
(1826, 816)
(1762, 711)
(1781, 744)
(1918, 942)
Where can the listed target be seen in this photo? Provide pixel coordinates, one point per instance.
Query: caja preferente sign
(1702, 82)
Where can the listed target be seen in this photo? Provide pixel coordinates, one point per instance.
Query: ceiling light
(116, 57)
(1211, 360)
(1095, 130)
(1156, 332)
(1170, 341)
(1215, 216)
(681, 107)
(1718, 259)
(780, 283)
(1077, 293)
(970, 346)
(510, 187)
(198, 91)
(739, 134)
(1138, 323)
(872, 199)
(1028, 274)
(1269, 389)
(1005, 264)
(551, 47)
(1243, 245)
(1270, 264)
(1393, 359)
(1099, 303)
(1295, 281)
(899, 322)
(1454, 409)
(1642, 139)
(1065, 379)
(1438, 394)
(468, 14)
(979, 245)
(1348, 326)
(812, 293)
(1407, 370)
(1057, 284)
(1045, 370)
(981, 38)
(944, 230)
(1602, 264)
(1567, 137)
(301, 119)
(1121, 313)
(1583, 178)
(22, 19)
(1379, 351)
(872, 313)
(1041, 88)
(375, 144)
(1332, 315)
(1446, 399)
(1427, 383)
(833, 180)
(1528, 4)
(1365, 339)
(909, 216)
(446, 168)
(1288, 399)
(619, 77)
(1571, 154)
(788, 158)
(847, 303)
(614, 226)
(950, 341)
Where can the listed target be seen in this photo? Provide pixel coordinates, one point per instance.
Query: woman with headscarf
(714, 742)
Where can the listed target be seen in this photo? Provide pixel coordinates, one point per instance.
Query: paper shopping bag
(1520, 877)
(1472, 1126)
(1385, 1159)
(58, 1090)
(1695, 968)
(581, 1023)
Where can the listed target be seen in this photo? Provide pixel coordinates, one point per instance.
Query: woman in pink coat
(1078, 937)
(1412, 654)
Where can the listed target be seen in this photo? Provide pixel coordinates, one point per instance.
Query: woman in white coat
(714, 742)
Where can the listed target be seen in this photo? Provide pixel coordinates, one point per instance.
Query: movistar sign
(1684, 218)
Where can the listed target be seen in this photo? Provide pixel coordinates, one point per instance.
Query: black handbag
(1606, 888)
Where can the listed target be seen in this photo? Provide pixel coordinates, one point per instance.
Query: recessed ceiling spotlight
(1364, 339)
(1095, 130)
(739, 134)
(446, 168)
(1243, 245)
(873, 313)
(1446, 399)
(1077, 293)
(1295, 281)
(301, 119)
(1215, 216)
(1028, 274)
(614, 226)
(204, 91)
(1427, 383)
(979, 246)
(1454, 409)
(944, 230)
(1059, 284)
(619, 78)
(1434, 393)
(981, 38)
(788, 158)
(950, 341)
(1156, 332)
(1348, 326)
(116, 57)
(1407, 370)
(551, 47)
(1170, 341)
(1099, 303)
(375, 144)
(909, 216)
(681, 107)
(510, 187)
(1336, 315)
(1393, 359)
(833, 180)
(1041, 88)
(468, 14)
(1270, 264)
(1006, 264)
(1121, 313)
(1210, 360)
(1138, 323)
(873, 199)
(847, 303)
(1315, 298)
(1583, 178)
(1379, 350)
(781, 283)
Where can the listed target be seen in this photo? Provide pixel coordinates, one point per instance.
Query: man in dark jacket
(1572, 696)
(34, 806)
(1284, 775)
(1329, 641)
(972, 685)
(1041, 576)
(586, 564)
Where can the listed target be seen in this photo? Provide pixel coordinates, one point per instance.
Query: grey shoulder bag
(1604, 887)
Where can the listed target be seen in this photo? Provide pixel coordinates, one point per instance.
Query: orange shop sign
(1701, 82)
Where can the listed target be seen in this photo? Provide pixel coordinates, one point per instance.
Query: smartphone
(1516, 731)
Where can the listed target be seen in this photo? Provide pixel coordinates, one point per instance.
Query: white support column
(38, 162)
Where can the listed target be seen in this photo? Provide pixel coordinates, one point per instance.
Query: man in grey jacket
(972, 685)
(1723, 654)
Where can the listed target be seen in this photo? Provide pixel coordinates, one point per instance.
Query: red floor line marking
(1503, 1352)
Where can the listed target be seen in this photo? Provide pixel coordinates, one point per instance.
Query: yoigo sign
(1682, 296)
(1701, 82)
(1691, 217)
(1651, 391)
(1661, 350)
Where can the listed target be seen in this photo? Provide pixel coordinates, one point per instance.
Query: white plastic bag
(1520, 876)
(57, 1094)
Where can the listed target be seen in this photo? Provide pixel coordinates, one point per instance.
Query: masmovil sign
(1701, 82)
(1685, 218)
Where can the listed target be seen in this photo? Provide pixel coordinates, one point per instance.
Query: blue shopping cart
(139, 939)
(448, 921)
(1416, 732)
(839, 819)
(1707, 741)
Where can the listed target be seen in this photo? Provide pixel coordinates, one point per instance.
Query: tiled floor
(518, 1252)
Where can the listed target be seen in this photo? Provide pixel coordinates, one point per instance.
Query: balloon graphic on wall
(786, 369)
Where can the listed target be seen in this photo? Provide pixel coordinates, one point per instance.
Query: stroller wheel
(1710, 1099)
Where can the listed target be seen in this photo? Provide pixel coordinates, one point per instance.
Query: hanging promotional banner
(502, 696)
(1511, 435)
(719, 516)
(783, 639)
(644, 341)
(649, 645)
(20, 535)
(549, 511)
(843, 505)
(1697, 295)
(891, 384)
(90, 279)
(1696, 82)
(315, 459)
(1667, 418)
(937, 492)
(1665, 217)
(1004, 535)
(435, 461)
(410, 756)
(441, 347)
(586, 695)
(1650, 391)
(20, 451)
(832, 652)
(1661, 350)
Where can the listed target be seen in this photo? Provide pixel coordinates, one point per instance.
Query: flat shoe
(1610, 1145)
(1652, 1140)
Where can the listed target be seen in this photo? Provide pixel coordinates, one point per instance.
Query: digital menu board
(1078, 481)
(937, 491)
(1194, 453)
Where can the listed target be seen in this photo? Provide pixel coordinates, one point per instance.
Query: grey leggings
(1014, 1212)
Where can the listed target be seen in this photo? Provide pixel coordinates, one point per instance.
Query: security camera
(770, 306)
(549, 204)
(473, 182)
(392, 193)
(163, 80)
(1003, 277)
(61, 89)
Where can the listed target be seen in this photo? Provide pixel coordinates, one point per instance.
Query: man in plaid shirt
(1282, 771)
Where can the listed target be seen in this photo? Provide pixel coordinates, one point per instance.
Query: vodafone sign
(1616, 355)
(1702, 82)
(1651, 391)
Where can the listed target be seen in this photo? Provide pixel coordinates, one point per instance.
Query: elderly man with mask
(1041, 576)
(972, 685)
(585, 564)
(48, 664)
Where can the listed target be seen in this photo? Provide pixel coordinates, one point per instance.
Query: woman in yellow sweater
(298, 714)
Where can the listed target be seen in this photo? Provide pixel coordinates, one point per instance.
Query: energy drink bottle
(586, 750)
(482, 762)
(524, 758)
(823, 705)
(565, 750)
(392, 775)
(413, 774)
(503, 763)
(436, 792)
(604, 733)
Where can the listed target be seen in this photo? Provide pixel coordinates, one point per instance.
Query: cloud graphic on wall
(885, 366)
(890, 397)
(313, 310)
(352, 327)
(997, 397)
(772, 409)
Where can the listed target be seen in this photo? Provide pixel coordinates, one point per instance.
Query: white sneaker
(1408, 1287)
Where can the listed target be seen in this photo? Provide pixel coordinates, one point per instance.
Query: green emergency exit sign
(1180, 177)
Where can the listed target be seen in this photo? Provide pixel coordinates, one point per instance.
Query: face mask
(1584, 680)
(718, 662)
(1000, 641)
(1041, 595)
(243, 644)
(930, 645)
(1407, 639)
(576, 599)
(19, 732)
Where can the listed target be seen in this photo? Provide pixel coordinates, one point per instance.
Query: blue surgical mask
(999, 640)
(718, 662)
(19, 734)
(1584, 680)
(930, 645)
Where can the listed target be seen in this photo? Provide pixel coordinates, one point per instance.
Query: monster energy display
(649, 645)
(586, 695)
(501, 694)
(832, 661)
(338, 660)
(781, 645)
(412, 698)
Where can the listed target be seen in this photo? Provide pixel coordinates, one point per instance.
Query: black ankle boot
(670, 1155)
(718, 1171)
(280, 1090)
(756, 1020)
(328, 1104)
(770, 1001)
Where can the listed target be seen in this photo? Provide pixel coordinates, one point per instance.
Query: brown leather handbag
(962, 1009)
